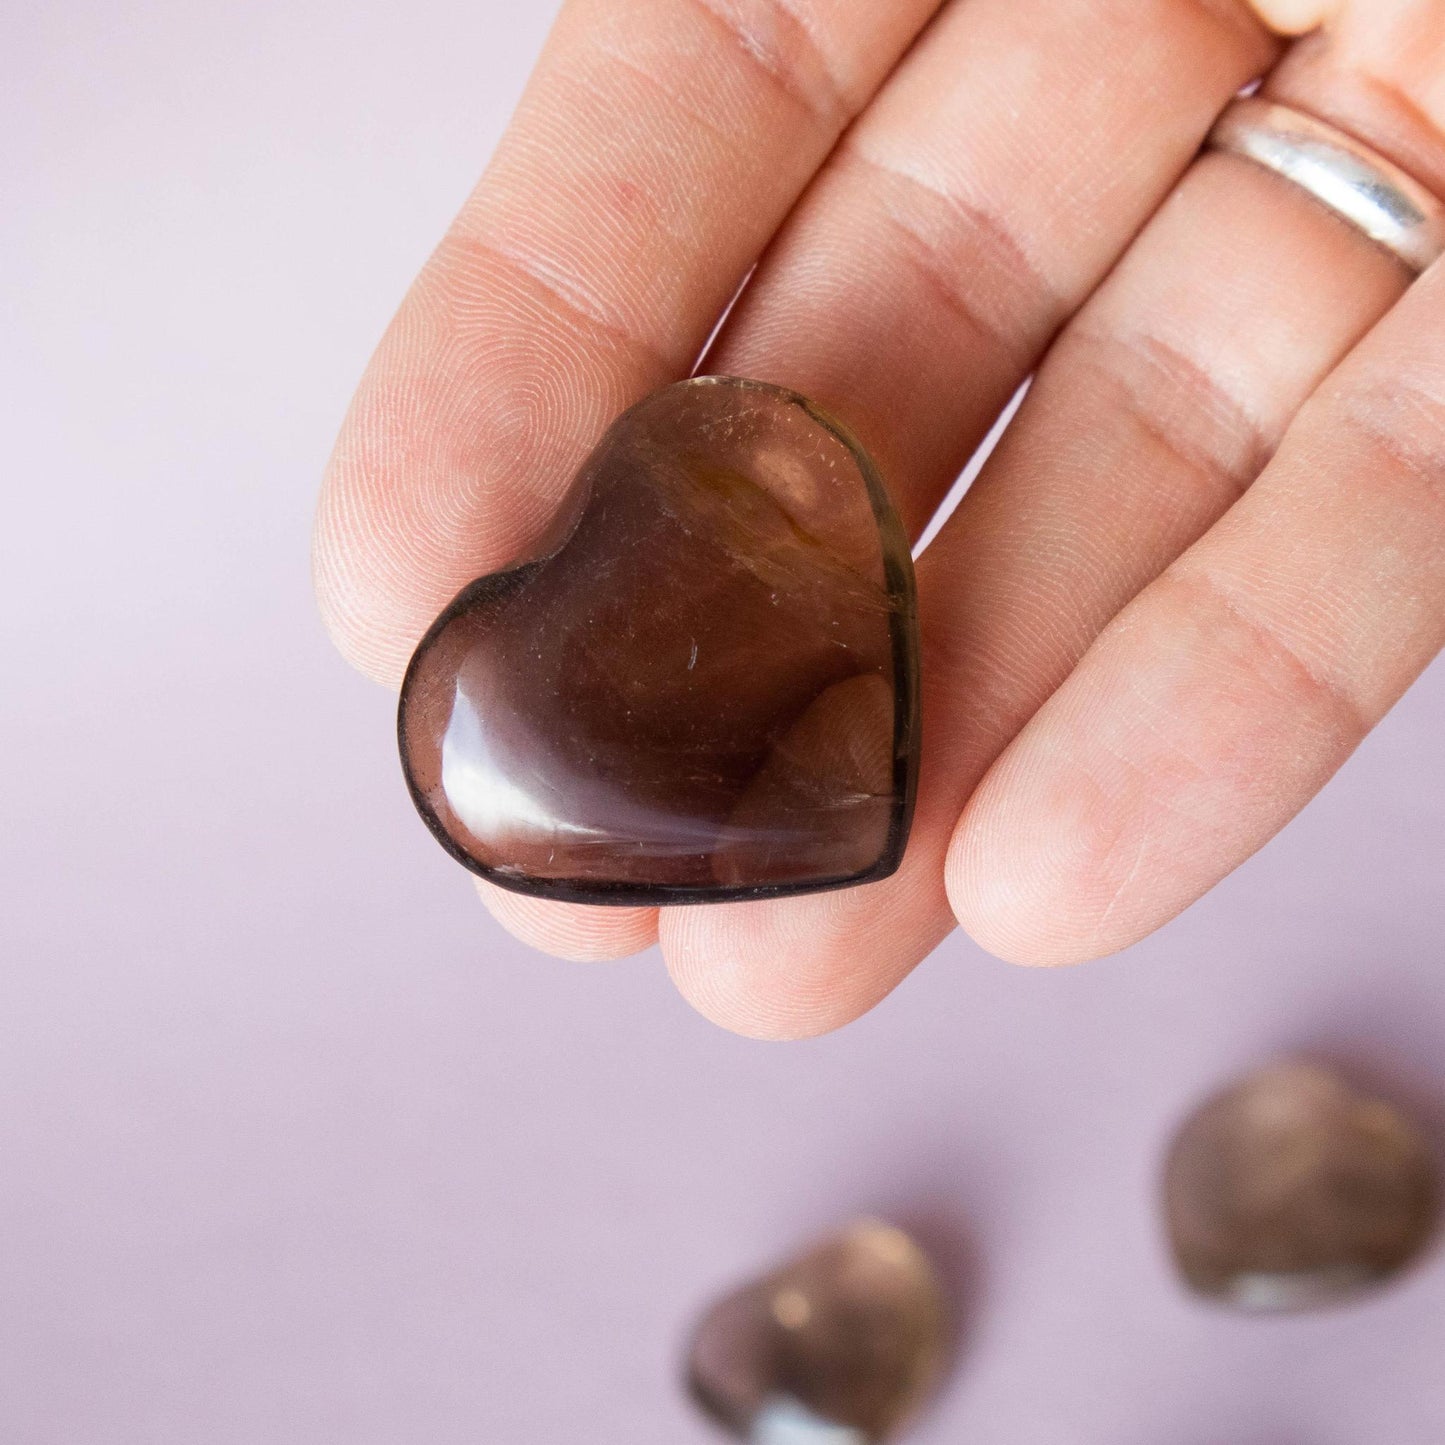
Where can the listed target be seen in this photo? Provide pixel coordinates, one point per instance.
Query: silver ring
(1355, 182)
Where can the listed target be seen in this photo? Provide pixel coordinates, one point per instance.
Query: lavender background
(295, 1144)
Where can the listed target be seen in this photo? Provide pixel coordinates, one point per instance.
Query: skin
(1206, 558)
(1296, 17)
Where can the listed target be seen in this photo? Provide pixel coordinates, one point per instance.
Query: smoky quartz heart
(1292, 1189)
(838, 1346)
(703, 687)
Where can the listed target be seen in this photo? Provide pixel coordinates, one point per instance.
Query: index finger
(658, 146)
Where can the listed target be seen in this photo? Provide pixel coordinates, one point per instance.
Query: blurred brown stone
(842, 1343)
(706, 685)
(1291, 1189)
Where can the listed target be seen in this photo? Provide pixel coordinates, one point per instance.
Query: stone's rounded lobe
(849, 1337)
(1290, 1189)
(705, 688)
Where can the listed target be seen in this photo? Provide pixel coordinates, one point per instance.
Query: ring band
(1355, 182)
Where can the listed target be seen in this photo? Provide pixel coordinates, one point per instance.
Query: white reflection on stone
(489, 793)
(785, 1422)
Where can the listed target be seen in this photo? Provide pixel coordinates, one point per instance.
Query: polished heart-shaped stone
(1293, 1189)
(838, 1346)
(705, 687)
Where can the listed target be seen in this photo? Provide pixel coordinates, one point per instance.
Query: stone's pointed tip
(1291, 1189)
(843, 1342)
(705, 690)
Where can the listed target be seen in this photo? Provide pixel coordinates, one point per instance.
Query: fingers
(1378, 76)
(1314, 269)
(1166, 399)
(982, 196)
(1217, 704)
(658, 146)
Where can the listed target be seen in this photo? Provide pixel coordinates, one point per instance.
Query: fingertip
(1034, 880)
(736, 975)
(1296, 17)
(357, 646)
(571, 931)
(353, 613)
(1007, 923)
(796, 968)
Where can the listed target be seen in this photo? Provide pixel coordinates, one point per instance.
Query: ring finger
(1231, 689)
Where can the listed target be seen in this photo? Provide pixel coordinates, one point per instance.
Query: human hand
(1206, 558)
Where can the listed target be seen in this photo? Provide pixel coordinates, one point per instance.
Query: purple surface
(296, 1145)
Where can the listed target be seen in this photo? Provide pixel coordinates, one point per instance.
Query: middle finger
(978, 201)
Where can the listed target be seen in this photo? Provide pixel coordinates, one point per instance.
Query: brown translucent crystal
(1291, 1189)
(841, 1344)
(704, 688)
